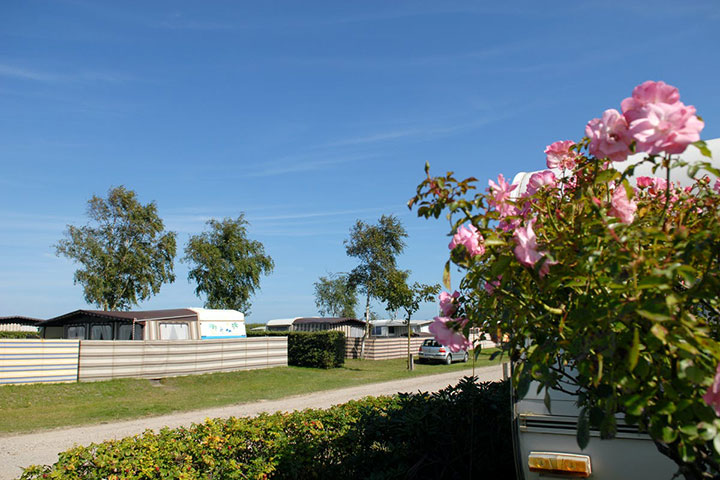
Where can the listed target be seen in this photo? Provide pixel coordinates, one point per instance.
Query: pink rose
(662, 127)
(609, 136)
(445, 334)
(500, 196)
(447, 303)
(623, 208)
(526, 248)
(648, 92)
(559, 155)
(655, 185)
(539, 180)
(716, 187)
(643, 182)
(712, 396)
(470, 238)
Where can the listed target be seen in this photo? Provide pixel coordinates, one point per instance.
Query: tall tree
(398, 295)
(376, 247)
(335, 296)
(124, 251)
(226, 265)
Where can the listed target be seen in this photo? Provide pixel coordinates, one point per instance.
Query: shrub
(266, 334)
(19, 334)
(324, 349)
(382, 437)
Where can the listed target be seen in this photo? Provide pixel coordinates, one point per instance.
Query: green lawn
(25, 408)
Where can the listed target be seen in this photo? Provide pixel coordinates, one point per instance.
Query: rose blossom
(609, 136)
(716, 187)
(712, 396)
(539, 180)
(662, 127)
(648, 92)
(446, 335)
(559, 155)
(526, 249)
(447, 303)
(623, 208)
(500, 195)
(470, 239)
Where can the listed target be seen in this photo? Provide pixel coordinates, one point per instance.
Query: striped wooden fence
(103, 359)
(377, 348)
(383, 348)
(38, 361)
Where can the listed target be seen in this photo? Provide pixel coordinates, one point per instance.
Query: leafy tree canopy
(335, 296)
(401, 297)
(124, 252)
(226, 264)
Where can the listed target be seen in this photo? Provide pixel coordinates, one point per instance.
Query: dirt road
(18, 451)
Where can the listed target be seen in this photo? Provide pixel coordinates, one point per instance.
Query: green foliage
(125, 256)
(4, 334)
(324, 349)
(335, 296)
(626, 318)
(384, 437)
(226, 265)
(265, 333)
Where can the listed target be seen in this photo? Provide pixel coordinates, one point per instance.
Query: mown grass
(25, 408)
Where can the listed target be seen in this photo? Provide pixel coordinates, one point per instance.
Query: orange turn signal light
(567, 465)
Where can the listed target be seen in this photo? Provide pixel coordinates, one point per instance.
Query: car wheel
(465, 358)
(448, 359)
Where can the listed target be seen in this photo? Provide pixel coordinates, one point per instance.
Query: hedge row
(325, 349)
(460, 432)
(4, 334)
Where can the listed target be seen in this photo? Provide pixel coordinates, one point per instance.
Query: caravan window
(125, 331)
(101, 331)
(75, 331)
(174, 331)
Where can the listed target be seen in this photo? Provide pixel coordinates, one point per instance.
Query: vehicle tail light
(566, 465)
(420, 349)
(442, 350)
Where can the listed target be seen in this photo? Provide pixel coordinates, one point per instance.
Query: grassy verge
(25, 408)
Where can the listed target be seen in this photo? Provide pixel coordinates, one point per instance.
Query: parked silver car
(432, 350)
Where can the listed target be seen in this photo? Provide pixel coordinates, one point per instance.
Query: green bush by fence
(460, 432)
(324, 349)
(250, 333)
(4, 334)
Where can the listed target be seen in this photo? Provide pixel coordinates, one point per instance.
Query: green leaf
(704, 150)
(500, 266)
(583, 429)
(716, 443)
(446, 275)
(607, 175)
(634, 350)
(659, 332)
(546, 400)
(523, 385)
(655, 317)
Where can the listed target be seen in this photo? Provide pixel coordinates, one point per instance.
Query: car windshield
(430, 343)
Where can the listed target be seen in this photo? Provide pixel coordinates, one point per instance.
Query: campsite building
(174, 324)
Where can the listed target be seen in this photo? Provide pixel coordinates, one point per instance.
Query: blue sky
(304, 115)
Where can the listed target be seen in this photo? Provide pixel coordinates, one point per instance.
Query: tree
(335, 296)
(608, 291)
(398, 295)
(376, 246)
(124, 251)
(226, 265)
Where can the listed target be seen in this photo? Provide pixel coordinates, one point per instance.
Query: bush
(324, 349)
(4, 334)
(267, 334)
(460, 432)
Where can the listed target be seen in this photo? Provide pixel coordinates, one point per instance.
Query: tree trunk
(367, 327)
(409, 360)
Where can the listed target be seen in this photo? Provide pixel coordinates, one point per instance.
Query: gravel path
(18, 451)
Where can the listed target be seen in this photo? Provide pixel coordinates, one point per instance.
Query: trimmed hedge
(460, 432)
(4, 334)
(324, 349)
(266, 334)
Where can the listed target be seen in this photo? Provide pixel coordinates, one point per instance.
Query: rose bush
(606, 290)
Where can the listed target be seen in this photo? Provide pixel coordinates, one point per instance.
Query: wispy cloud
(25, 73)
(302, 163)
